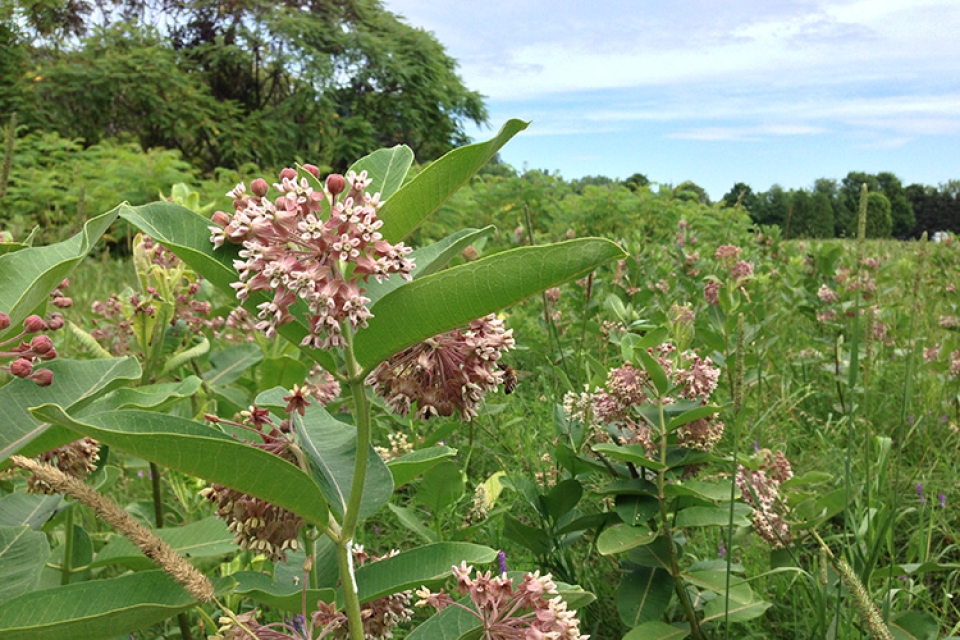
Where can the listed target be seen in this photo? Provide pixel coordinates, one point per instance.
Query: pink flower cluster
(761, 490)
(26, 355)
(524, 612)
(310, 245)
(448, 373)
(694, 378)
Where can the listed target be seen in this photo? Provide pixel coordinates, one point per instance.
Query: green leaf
(562, 498)
(409, 466)
(452, 298)
(207, 538)
(386, 168)
(231, 363)
(408, 518)
(262, 588)
(621, 537)
(656, 554)
(717, 490)
(689, 416)
(76, 383)
(441, 487)
(644, 594)
(202, 451)
(29, 275)
(282, 371)
(636, 510)
(155, 397)
(187, 234)
(97, 609)
(914, 625)
(31, 509)
(716, 581)
(634, 453)
(714, 610)
(453, 623)
(657, 375)
(332, 447)
(710, 517)
(427, 260)
(909, 569)
(628, 487)
(23, 554)
(530, 537)
(657, 630)
(416, 200)
(423, 565)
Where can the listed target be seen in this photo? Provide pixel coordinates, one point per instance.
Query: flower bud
(470, 254)
(21, 367)
(4, 321)
(220, 219)
(289, 174)
(41, 344)
(43, 377)
(34, 324)
(314, 171)
(62, 302)
(336, 183)
(49, 355)
(55, 322)
(259, 187)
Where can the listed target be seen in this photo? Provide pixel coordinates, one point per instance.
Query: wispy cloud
(746, 134)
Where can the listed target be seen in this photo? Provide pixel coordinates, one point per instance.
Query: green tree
(901, 211)
(692, 192)
(636, 181)
(773, 207)
(848, 201)
(879, 221)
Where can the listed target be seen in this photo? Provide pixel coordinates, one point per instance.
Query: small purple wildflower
(943, 419)
(943, 500)
(721, 549)
(911, 419)
(756, 447)
(923, 498)
(502, 560)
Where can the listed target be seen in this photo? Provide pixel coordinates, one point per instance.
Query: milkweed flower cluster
(256, 524)
(693, 378)
(760, 489)
(448, 373)
(310, 245)
(77, 459)
(522, 612)
(23, 357)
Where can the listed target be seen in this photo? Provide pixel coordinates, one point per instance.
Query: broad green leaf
(714, 611)
(634, 453)
(97, 609)
(155, 397)
(231, 363)
(717, 490)
(207, 538)
(282, 371)
(386, 168)
(202, 451)
(31, 509)
(810, 477)
(628, 487)
(262, 588)
(420, 566)
(427, 260)
(29, 275)
(23, 554)
(914, 625)
(716, 581)
(689, 416)
(636, 510)
(657, 630)
(562, 498)
(409, 466)
(657, 375)
(416, 200)
(644, 594)
(408, 518)
(453, 623)
(332, 447)
(440, 487)
(909, 569)
(76, 383)
(656, 554)
(187, 234)
(711, 517)
(452, 298)
(621, 537)
(530, 537)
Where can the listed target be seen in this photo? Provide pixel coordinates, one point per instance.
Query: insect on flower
(509, 377)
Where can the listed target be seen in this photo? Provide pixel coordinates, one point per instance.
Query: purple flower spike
(923, 498)
(721, 549)
(502, 560)
(756, 447)
(943, 500)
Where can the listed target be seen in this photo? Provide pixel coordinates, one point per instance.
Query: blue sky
(714, 91)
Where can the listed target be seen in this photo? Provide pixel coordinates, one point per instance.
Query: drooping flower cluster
(77, 459)
(448, 373)
(310, 245)
(507, 612)
(20, 360)
(694, 378)
(256, 524)
(761, 490)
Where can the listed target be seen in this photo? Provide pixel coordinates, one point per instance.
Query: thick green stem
(66, 567)
(157, 497)
(668, 532)
(351, 516)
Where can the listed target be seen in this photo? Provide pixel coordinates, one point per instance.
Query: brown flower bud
(290, 174)
(336, 183)
(259, 187)
(62, 302)
(4, 321)
(314, 171)
(470, 254)
(43, 377)
(55, 322)
(220, 219)
(21, 367)
(34, 324)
